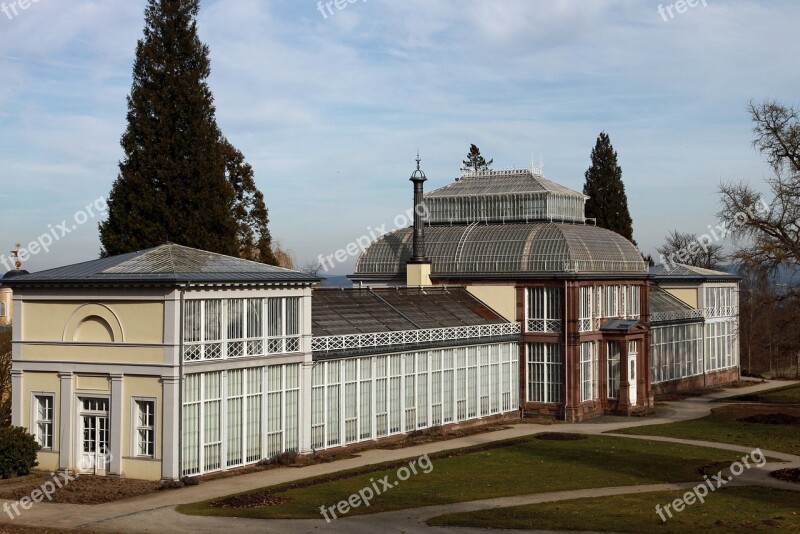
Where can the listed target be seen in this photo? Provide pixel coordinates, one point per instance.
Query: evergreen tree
(249, 210)
(180, 180)
(475, 162)
(608, 202)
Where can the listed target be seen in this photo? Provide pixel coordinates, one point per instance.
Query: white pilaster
(67, 420)
(16, 398)
(170, 410)
(115, 428)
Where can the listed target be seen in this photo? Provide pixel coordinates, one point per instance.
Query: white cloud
(330, 112)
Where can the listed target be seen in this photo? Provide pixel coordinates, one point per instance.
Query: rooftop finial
(418, 160)
(15, 255)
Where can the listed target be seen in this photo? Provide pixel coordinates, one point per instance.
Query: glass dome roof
(518, 248)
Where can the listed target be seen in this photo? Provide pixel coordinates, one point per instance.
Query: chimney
(419, 266)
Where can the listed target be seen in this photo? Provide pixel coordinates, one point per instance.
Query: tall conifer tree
(180, 180)
(608, 202)
(475, 162)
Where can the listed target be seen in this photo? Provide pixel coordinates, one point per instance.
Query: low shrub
(17, 452)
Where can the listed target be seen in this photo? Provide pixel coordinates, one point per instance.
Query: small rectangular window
(145, 428)
(43, 425)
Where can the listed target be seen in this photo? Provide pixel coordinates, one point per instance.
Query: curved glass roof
(481, 248)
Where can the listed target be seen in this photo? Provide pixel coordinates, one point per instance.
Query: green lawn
(787, 395)
(723, 426)
(522, 466)
(726, 510)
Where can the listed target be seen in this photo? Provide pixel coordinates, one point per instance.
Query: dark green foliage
(173, 181)
(5, 376)
(17, 452)
(608, 202)
(249, 210)
(475, 162)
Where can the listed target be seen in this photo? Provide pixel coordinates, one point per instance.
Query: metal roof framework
(515, 248)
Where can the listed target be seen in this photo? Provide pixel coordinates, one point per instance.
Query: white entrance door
(632, 354)
(94, 452)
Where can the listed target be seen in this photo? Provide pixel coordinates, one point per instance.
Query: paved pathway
(155, 512)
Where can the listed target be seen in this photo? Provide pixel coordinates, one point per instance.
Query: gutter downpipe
(180, 381)
(566, 348)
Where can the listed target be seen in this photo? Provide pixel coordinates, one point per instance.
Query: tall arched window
(2, 309)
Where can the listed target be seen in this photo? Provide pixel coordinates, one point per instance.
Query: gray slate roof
(502, 182)
(167, 264)
(680, 271)
(336, 312)
(506, 249)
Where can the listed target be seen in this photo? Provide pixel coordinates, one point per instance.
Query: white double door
(633, 353)
(94, 453)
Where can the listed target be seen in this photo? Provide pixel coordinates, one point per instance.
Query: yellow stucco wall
(418, 274)
(40, 383)
(133, 387)
(87, 353)
(149, 387)
(687, 295)
(48, 461)
(141, 322)
(92, 383)
(141, 469)
(6, 297)
(502, 299)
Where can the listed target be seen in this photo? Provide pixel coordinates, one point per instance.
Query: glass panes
(145, 428)
(44, 420)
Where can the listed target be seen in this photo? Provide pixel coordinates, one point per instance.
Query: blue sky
(331, 111)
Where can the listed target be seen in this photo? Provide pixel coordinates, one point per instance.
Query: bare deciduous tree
(689, 249)
(768, 230)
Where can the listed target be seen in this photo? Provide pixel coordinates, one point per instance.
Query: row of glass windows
(720, 301)
(601, 302)
(721, 344)
(240, 416)
(546, 371)
(231, 328)
(368, 398)
(678, 350)
(526, 206)
(545, 308)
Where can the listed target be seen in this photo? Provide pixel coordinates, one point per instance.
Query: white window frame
(135, 427)
(588, 371)
(35, 421)
(548, 318)
(551, 366)
(585, 309)
(235, 339)
(614, 380)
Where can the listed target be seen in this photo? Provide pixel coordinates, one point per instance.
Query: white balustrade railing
(411, 337)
